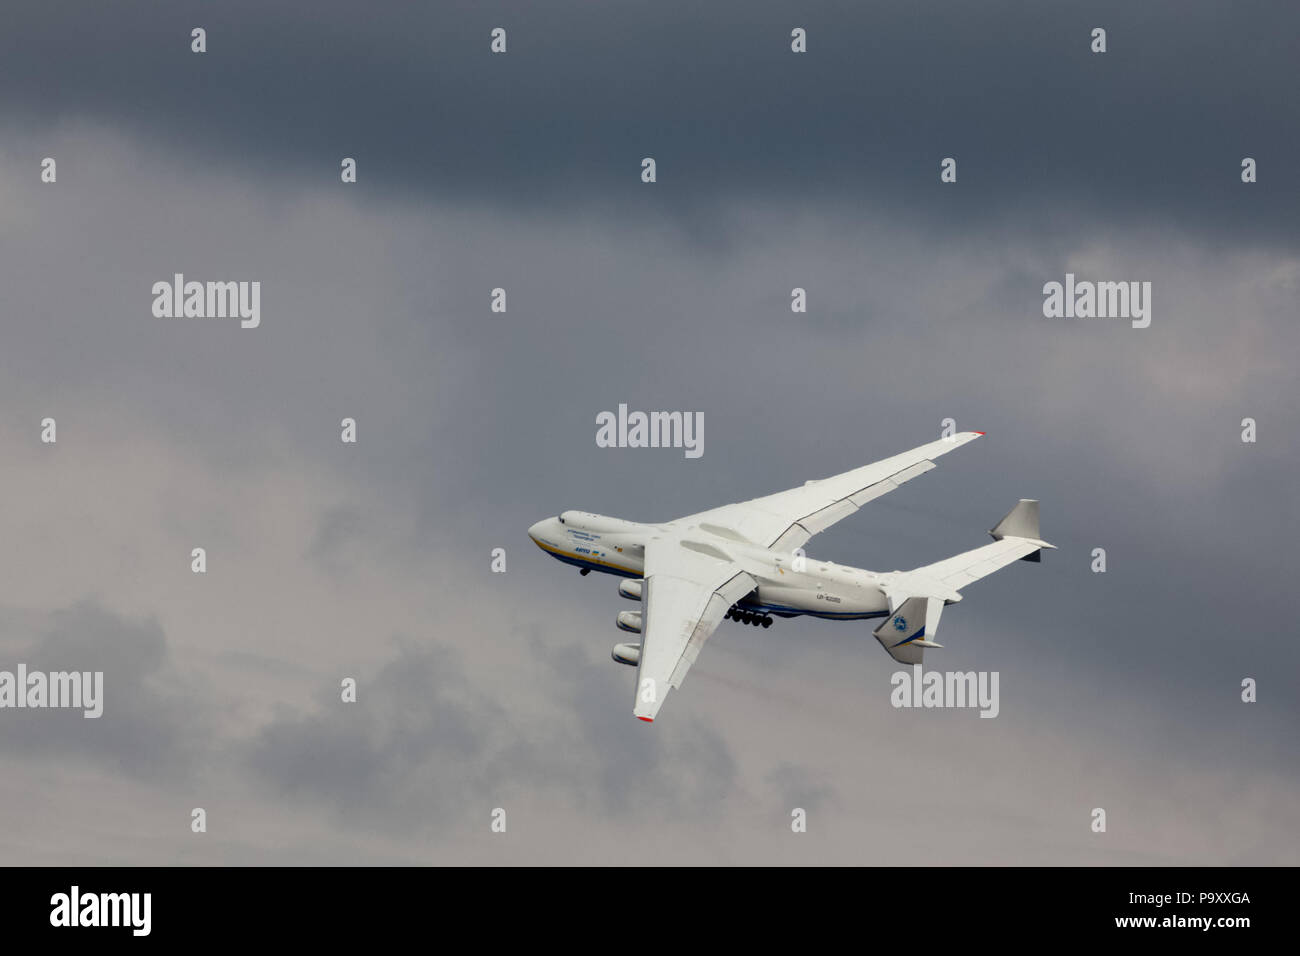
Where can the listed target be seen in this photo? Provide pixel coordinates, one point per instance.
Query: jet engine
(627, 654)
(629, 621)
(630, 588)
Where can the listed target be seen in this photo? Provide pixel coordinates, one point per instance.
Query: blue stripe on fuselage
(591, 565)
(828, 615)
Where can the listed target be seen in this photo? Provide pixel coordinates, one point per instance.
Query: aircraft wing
(787, 519)
(689, 587)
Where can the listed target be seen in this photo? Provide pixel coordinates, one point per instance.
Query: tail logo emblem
(900, 623)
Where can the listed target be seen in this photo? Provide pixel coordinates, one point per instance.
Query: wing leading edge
(786, 520)
(689, 588)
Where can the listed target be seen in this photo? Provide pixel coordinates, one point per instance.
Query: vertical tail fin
(924, 591)
(1020, 522)
(910, 629)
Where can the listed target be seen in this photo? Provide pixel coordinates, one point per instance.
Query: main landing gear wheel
(749, 617)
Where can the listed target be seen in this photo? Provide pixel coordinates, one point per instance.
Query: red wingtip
(648, 720)
(979, 433)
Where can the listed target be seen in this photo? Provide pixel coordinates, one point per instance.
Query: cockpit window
(561, 517)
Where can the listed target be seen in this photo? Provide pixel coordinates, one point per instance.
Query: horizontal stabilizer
(1015, 538)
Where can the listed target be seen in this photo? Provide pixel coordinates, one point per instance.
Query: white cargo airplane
(746, 562)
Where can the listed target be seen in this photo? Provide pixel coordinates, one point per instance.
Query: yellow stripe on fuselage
(584, 557)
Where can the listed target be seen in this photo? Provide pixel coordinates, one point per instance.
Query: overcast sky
(477, 690)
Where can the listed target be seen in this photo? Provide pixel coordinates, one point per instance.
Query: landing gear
(584, 571)
(749, 617)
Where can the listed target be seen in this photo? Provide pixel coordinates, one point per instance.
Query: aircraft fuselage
(789, 583)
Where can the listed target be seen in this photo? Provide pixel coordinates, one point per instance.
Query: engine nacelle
(629, 621)
(630, 588)
(627, 654)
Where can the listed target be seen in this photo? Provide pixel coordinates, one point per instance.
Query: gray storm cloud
(479, 690)
(1043, 129)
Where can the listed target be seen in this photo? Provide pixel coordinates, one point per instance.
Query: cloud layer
(478, 690)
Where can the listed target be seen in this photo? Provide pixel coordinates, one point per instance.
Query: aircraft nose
(537, 530)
